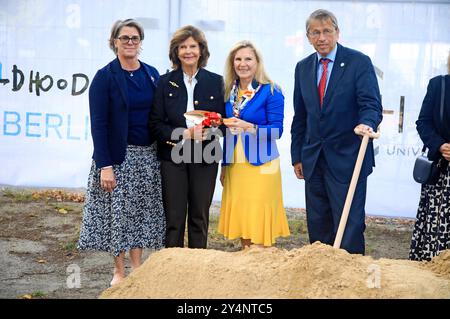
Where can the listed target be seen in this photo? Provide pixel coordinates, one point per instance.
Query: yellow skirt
(252, 201)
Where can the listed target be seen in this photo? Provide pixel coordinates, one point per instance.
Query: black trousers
(187, 190)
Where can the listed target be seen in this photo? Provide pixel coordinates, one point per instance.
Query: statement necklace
(240, 100)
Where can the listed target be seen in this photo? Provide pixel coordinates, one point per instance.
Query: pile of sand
(440, 264)
(313, 271)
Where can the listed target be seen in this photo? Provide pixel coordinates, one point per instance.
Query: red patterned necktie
(323, 79)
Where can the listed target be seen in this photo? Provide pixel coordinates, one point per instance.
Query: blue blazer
(431, 130)
(352, 97)
(108, 106)
(267, 111)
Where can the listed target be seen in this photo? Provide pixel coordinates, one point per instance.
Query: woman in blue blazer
(123, 209)
(431, 233)
(252, 202)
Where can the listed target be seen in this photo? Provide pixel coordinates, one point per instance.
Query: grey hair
(118, 25)
(322, 15)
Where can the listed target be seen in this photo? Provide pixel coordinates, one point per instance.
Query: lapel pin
(342, 64)
(153, 79)
(173, 84)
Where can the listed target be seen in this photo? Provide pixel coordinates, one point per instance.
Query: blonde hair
(182, 35)
(230, 74)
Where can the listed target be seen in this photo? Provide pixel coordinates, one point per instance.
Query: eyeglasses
(316, 34)
(124, 39)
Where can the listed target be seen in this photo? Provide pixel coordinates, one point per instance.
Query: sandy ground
(39, 230)
(313, 271)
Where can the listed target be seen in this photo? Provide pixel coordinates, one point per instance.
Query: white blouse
(190, 86)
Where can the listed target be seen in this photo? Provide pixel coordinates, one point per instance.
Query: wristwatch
(253, 129)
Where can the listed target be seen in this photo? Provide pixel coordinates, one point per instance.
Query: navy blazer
(266, 109)
(352, 97)
(432, 131)
(108, 106)
(170, 103)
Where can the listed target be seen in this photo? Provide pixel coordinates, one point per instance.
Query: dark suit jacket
(352, 97)
(434, 132)
(108, 106)
(169, 106)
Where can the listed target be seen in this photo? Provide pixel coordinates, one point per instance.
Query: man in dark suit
(336, 95)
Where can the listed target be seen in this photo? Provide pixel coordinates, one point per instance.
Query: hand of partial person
(107, 179)
(298, 170)
(237, 125)
(194, 132)
(362, 129)
(222, 175)
(445, 151)
(206, 133)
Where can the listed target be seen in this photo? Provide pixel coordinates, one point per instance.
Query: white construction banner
(50, 51)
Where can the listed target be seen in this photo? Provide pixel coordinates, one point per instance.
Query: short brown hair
(118, 25)
(182, 35)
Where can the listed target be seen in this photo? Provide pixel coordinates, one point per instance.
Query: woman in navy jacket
(431, 233)
(189, 154)
(123, 209)
(252, 201)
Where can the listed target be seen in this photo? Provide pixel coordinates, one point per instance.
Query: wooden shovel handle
(352, 187)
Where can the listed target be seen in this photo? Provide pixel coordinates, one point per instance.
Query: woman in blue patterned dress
(123, 209)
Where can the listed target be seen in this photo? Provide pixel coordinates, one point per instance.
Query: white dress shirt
(190, 86)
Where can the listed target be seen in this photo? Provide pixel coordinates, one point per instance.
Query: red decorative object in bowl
(212, 119)
(205, 118)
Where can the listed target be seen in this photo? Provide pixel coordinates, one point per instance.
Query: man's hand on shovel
(367, 132)
(363, 129)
